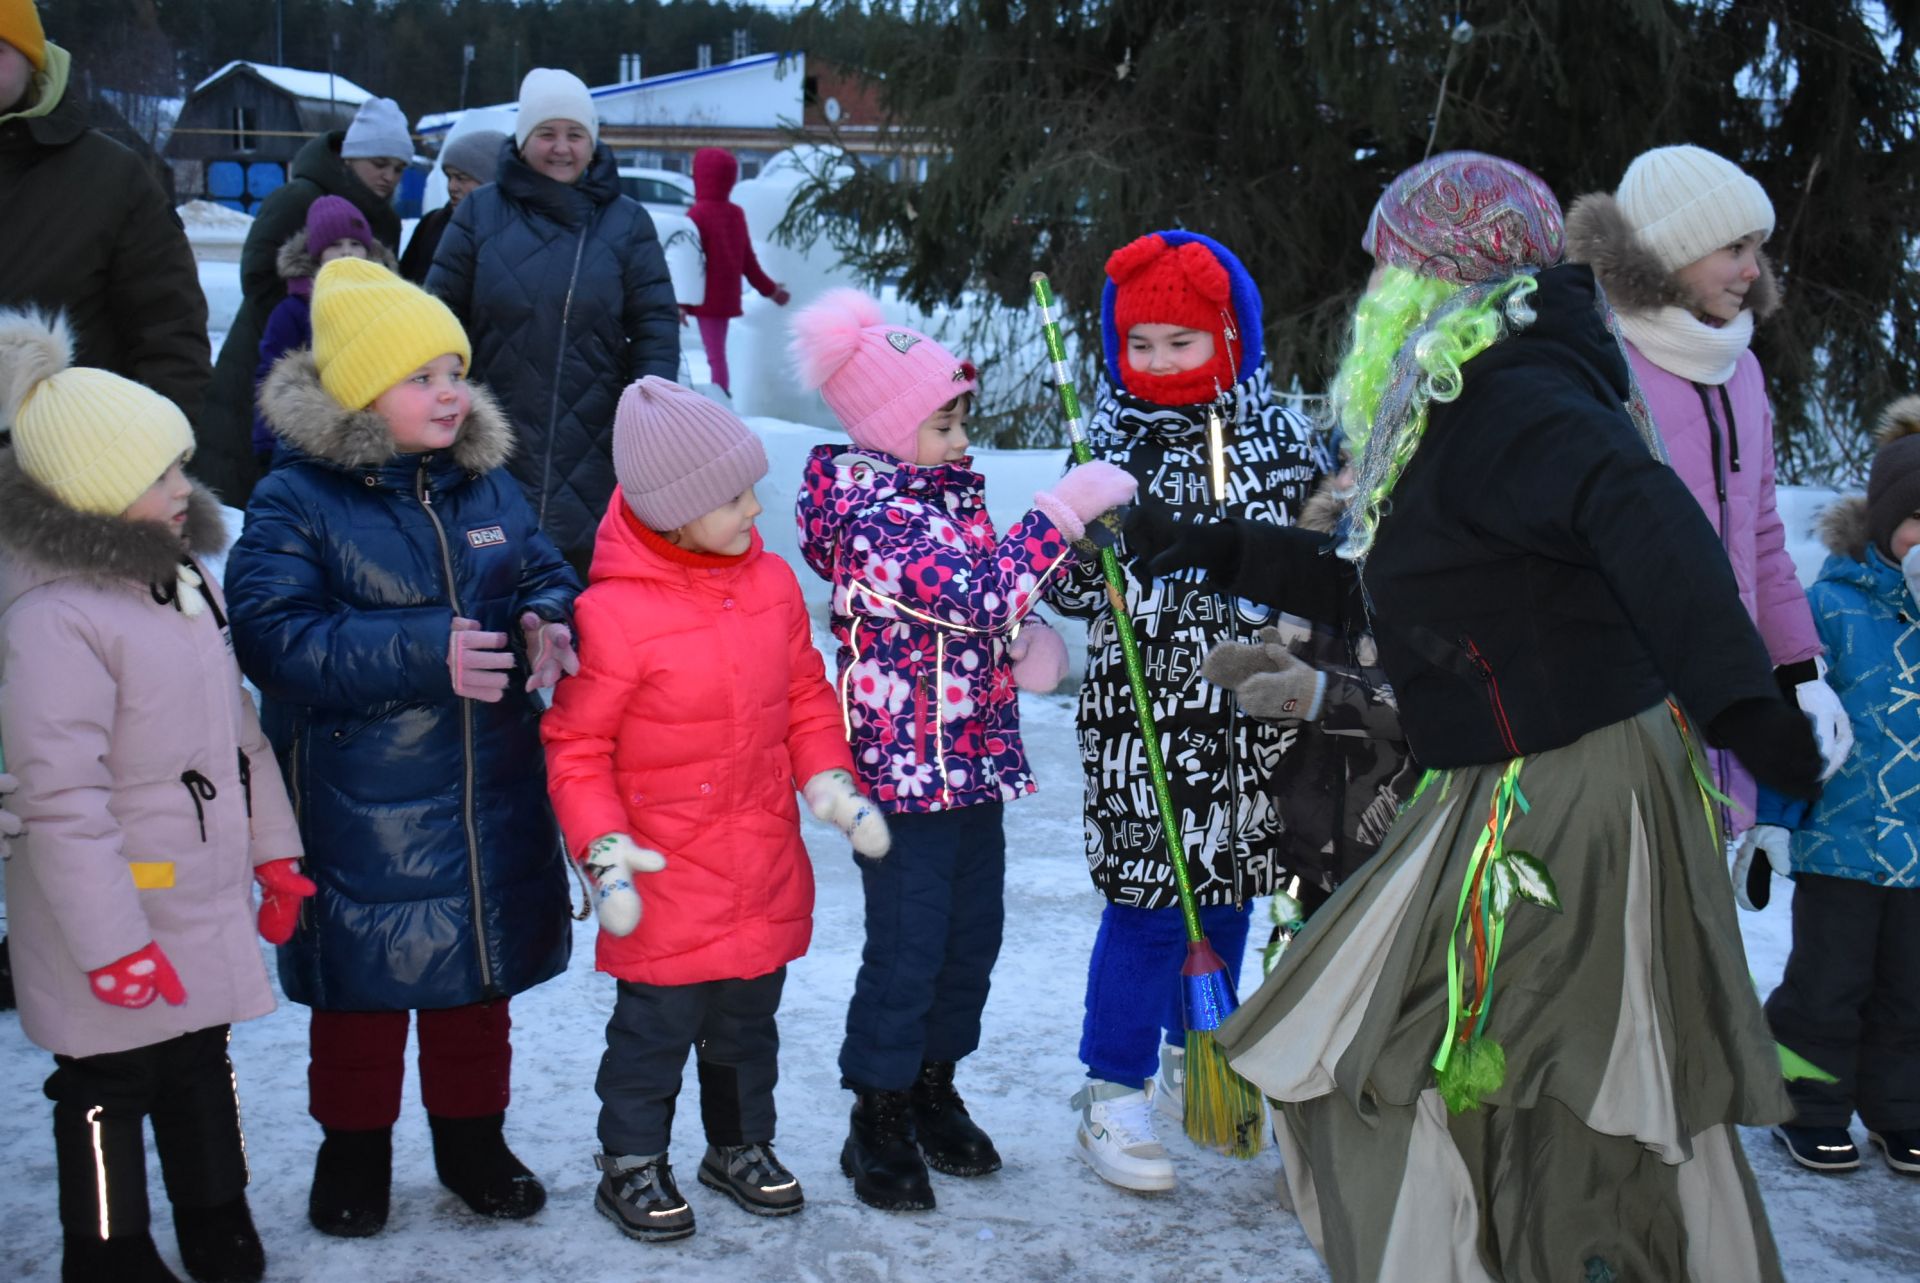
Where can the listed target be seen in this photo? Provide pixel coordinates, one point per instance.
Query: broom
(1223, 1110)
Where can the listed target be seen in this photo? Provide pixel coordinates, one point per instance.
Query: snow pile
(202, 216)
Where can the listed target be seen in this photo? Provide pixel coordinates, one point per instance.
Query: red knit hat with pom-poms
(1160, 284)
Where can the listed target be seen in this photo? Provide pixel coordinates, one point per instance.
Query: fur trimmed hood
(293, 263)
(53, 541)
(1323, 509)
(1843, 527)
(1599, 235)
(304, 414)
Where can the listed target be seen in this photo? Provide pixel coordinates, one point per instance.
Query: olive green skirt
(1632, 1037)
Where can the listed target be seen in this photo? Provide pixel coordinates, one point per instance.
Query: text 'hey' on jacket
(1541, 574)
(148, 791)
(225, 457)
(1863, 825)
(925, 598)
(700, 706)
(565, 294)
(425, 815)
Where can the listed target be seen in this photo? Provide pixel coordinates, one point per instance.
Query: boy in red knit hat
(1190, 413)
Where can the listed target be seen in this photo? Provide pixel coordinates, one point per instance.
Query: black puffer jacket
(564, 292)
(424, 815)
(1540, 574)
(225, 458)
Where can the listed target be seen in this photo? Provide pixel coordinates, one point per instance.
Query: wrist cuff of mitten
(1061, 515)
(1796, 674)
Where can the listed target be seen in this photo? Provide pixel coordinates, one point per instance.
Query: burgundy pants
(358, 1061)
(713, 336)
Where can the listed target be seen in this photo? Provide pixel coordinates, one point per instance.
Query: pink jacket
(148, 791)
(700, 705)
(1729, 469)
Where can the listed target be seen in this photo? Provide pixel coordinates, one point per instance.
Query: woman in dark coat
(325, 166)
(1516, 1043)
(561, 282)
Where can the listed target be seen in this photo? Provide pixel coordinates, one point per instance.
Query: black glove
(1161, 543)
(1774, 740)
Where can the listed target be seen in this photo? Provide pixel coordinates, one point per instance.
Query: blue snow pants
(1134, 994)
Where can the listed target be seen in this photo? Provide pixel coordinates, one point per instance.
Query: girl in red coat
(729, 254)
(674, 753)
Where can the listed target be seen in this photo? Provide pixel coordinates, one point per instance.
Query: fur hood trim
(36, 527)
(298, 407)
(1900, 419)
(1599, 235)
(1323, 509)
(293, 263)
(1843, 527)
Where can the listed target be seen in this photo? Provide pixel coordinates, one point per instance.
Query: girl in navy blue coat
(385, 566)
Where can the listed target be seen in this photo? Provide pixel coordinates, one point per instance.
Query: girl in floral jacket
(930, 608)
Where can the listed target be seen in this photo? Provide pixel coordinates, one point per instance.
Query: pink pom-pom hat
(881, 381)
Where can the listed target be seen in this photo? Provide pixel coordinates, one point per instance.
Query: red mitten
(137, 978)
(780, 296)
(282, 888)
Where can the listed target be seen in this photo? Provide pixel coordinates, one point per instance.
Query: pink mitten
(549, 651)
(282, 888)
(134, 981)
(1039, 658)
(1087, 491)
(478, 662)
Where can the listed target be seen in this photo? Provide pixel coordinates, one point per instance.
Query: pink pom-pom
(826, 333)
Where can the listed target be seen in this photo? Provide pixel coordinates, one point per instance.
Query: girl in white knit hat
(1678, 249)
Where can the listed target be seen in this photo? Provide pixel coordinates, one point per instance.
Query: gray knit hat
(678, 455)
(379, 128)
(1685, 202)
(475, 153)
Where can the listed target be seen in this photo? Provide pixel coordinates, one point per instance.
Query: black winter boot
(880, 1156)
(352, 1181)
(473, 1161)
(949, 1138)
(133, 1259)
(219, 1244)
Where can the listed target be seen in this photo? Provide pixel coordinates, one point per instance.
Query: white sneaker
(1170, 1095)
(1116, 1136)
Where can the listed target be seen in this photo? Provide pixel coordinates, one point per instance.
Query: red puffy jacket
(723, 235)
(700, 704)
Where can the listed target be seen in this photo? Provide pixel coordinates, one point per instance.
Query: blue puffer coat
(1865, 824)
(565, 293)
(424, 815)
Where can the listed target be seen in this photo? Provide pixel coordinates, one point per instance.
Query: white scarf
(1681, 343)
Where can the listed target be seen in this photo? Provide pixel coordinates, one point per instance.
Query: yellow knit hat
(20, 27)
(371, 329)
(94, 439)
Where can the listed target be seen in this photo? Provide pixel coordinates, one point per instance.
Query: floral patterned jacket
(925, 599)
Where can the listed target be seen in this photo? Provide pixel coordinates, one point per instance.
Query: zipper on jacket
(559, 360)
(1713, 441)
(425, 496)
(1500, 722)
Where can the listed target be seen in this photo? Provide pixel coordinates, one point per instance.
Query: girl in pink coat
(728, 248)
(151, 805)
(1677, 248)
(675, 753)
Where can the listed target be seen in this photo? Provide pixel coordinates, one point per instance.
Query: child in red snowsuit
(729, 252)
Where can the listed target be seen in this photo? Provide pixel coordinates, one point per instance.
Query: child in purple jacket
(931, 609)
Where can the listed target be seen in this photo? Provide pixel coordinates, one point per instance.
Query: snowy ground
(1044, 1217)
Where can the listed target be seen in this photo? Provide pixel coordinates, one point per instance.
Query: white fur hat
(1685, 202)
(551, 94)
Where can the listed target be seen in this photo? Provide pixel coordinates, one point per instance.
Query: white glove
(1762, 852)
(10, 825)
(611, 862)
(832, 797)
(1830, 722)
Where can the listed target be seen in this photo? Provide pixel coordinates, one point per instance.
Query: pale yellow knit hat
(94, 439)
(371, 329)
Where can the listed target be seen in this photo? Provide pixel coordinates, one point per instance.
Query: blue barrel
(264, 177)
(226, 179)
(413, 188)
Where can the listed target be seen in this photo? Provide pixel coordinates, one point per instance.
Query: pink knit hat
(881, 381)
(678, 455)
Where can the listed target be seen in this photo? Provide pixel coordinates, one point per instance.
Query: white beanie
(551, 94)
(1685, 202)
(378, 129)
